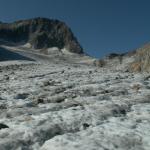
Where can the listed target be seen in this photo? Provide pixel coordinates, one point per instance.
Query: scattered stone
(22, 96)
(3, 106)
(6, 77)
(62, 71)
(47, 83)
(85, 126)
(3, 126)
(99, 63)
(90, 72)
(136, 87)
(147, 78)
(40, 100)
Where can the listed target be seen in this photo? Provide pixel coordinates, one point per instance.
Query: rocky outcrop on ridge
(142, 60)
(40, 33)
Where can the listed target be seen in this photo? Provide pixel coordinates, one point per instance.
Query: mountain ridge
(41, 33)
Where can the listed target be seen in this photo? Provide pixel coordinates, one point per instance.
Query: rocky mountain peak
(40, 33)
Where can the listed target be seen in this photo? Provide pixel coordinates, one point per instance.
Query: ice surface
(72, 106)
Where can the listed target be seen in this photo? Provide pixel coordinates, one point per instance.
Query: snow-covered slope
(56, 105)
(54, 97)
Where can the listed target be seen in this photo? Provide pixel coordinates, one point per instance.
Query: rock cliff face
(40, 33)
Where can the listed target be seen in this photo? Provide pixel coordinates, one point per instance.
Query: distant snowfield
(55, 105)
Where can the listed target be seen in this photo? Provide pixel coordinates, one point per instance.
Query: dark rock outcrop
(115, 55)
(3, 126)
(41, 33)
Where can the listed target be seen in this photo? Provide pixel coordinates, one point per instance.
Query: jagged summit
(40, 33)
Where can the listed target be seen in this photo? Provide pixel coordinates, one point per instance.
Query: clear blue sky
(101, 26)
